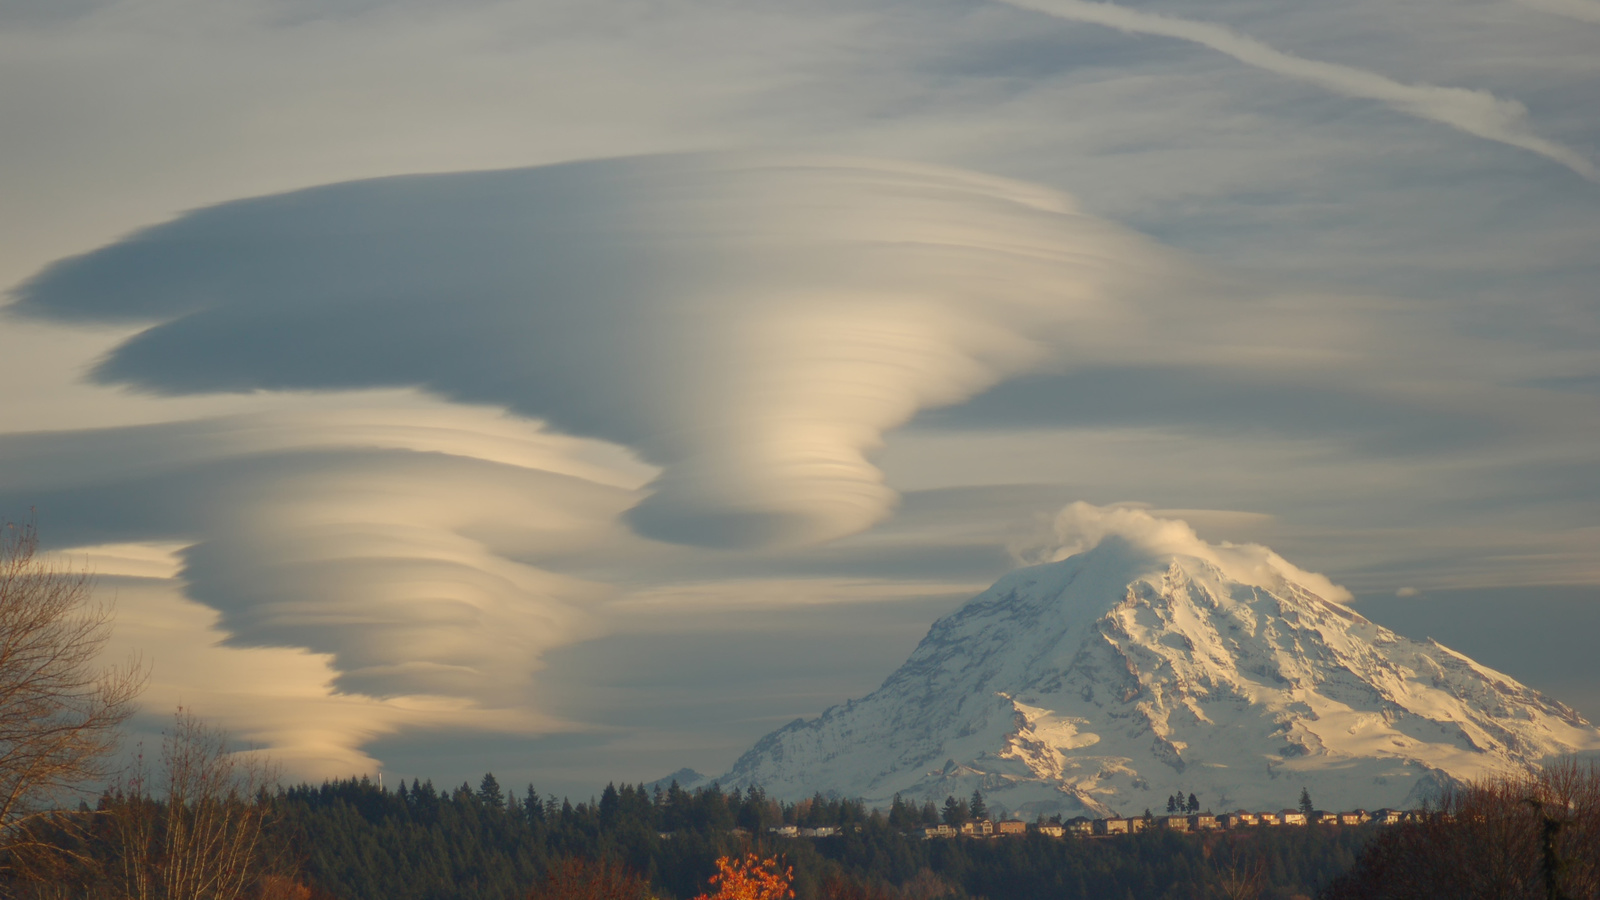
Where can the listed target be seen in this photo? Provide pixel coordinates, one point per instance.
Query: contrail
(1474, 112)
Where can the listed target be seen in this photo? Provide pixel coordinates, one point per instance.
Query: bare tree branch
(207, 838)
(60, 710)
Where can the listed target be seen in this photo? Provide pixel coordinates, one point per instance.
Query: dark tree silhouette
(1535, 837)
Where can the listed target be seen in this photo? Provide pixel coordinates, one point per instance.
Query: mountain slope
(1155, 663)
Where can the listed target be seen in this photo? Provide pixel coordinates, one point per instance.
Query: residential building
(1110, 826)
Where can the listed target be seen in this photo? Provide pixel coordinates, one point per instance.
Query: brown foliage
(1488, 841)
(582, 879)
(925, 886)
(278, 887)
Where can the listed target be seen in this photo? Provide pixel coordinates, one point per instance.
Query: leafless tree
(1238, 880)
(198, 828)
(60, 709)
(1535, 837)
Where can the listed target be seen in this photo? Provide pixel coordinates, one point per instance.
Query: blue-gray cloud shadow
(734, 677)
(1543, 636)
(1213, 400)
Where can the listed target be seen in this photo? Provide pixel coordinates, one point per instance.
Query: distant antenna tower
(380, 781)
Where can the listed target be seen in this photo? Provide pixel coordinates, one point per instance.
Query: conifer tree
(610, 805)
(489, 792)
(956, 811)
(1305, 802)
(976, 806)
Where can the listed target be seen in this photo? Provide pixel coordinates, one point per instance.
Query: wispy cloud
(1584, 10)
(1474, 112)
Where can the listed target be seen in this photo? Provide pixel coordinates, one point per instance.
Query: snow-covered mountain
(1155, 663)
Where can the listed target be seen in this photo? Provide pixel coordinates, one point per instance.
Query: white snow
(1138, 668)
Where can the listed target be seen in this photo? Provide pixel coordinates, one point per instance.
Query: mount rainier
(1151, 662)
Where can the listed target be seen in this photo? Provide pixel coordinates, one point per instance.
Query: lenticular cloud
(750, 325)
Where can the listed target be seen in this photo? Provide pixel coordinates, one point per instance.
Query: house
(938, 831)
(1203, 822)
(784, 830)
(1011, 827)
(977, 828)
(1239, 819)
(1387, 816)
(1110, 826)
(821, 831)
(1079, 825)
(1137, 824)
(1359, 817)
(1051, 829)
(1173, 823)
(1292, 817)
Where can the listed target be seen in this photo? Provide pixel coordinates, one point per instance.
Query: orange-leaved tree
(750, 878)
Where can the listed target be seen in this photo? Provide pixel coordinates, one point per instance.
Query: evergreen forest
(359, 842)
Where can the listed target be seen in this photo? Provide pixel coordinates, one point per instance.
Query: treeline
(419, 843)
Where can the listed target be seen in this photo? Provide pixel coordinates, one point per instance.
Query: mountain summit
(1151, 662)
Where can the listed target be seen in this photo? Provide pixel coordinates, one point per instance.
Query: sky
(580, 390)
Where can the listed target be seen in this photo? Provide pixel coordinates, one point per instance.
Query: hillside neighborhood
(1082, 826)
